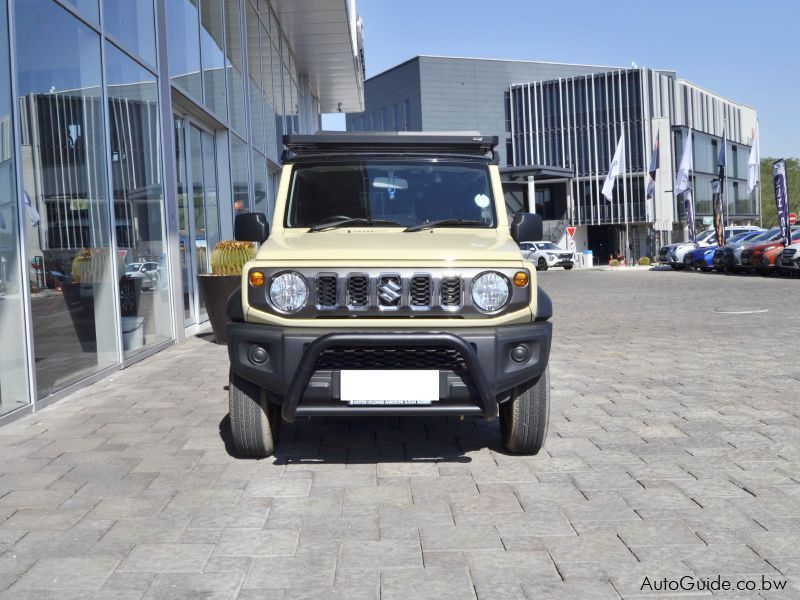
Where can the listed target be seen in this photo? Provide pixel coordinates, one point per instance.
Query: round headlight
(288, 292)
(490, 291)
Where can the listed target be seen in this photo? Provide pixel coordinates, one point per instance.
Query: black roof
(340, 142)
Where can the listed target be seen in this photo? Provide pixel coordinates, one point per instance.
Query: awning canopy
(539, 173)
(325, 37)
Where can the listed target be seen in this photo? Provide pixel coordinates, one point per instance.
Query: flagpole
(758, 173)
(625, 198)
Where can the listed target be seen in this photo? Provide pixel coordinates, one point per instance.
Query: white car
(147, 272)
(790, 259)
(546, 254)
(673, 254)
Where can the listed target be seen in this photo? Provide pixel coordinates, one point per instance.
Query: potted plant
(227, 261)
(85, 295)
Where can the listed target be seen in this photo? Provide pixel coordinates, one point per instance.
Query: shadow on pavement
(371, 440)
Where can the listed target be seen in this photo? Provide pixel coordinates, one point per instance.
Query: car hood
(390, 245)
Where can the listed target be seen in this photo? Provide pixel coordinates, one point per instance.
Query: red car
(762, 256)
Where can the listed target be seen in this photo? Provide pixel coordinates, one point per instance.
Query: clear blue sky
(748, 51)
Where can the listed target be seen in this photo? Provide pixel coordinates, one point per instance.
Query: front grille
(386, 357)
(421, 291)
(747, 256)
(451, 292)
(789, 253)
(326, 291)
(357, 291)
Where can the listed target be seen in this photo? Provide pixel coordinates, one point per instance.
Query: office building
(131, 133)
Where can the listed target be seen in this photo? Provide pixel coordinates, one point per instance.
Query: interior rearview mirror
(526, 227)
(251, 227)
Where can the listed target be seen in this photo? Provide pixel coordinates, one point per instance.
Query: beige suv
(389, 283)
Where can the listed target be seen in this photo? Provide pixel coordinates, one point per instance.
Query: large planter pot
(215, 291)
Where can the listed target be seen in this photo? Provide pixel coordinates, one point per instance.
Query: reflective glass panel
(64, 167)
(184, 206)
(88, 8)
(183, 46)
(254, 68)
(133, 24)
(13, 372)
(239, 176)
(260, 182)
(138, 202)
(211, 40)
(234, 65)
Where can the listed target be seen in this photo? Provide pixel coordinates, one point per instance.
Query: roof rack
(338, 142)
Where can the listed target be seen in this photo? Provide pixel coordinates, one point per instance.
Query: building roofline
(508, 60)
(713, 93)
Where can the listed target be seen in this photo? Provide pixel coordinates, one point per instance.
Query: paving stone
(66, 574)
(430, 583)
(283, 572)
(257, 542)
(384, 554)
(167, 558)
(189, 586)
(459, 537)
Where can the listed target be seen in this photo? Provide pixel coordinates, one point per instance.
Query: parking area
(673, 450)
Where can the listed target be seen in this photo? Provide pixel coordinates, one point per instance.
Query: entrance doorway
(198, 210)
(601, 242)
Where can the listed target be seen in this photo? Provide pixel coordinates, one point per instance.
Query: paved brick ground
(674, 449)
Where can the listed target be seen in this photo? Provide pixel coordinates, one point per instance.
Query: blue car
(700, 258)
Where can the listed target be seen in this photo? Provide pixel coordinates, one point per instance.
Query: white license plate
(382, 387)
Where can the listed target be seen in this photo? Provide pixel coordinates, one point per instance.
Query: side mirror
(526, 227)
(251, 227)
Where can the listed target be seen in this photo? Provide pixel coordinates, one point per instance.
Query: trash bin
(588, 259)
(132, 333)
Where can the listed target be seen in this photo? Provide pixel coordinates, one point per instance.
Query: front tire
(541, 265)
(568, 267)
(677, 267)
(254, 419)
(524, 418)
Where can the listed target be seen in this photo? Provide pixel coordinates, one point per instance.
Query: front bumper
(302, 371)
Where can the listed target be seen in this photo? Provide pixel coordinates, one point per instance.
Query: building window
(183, 46)
(64, 170)
(384, 120)
(133, 24)
(234, 66)
(138, 202)
(396, 116)
(407, 111)
(13, 374)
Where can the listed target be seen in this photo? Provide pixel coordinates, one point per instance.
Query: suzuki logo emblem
(389, 291)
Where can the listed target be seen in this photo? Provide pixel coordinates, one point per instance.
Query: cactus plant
(229, 257)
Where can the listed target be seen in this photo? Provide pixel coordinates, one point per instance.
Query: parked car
(762, 257)
(674, 254)
(700, 258)
(147, 271)
(726, 257)
(546, 254)
(790, 259)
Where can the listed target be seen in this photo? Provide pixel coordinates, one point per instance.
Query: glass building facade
(576, 123)
(131, 134)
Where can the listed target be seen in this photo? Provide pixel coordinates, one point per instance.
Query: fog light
(520, 354)
(520, 279)
(256, 278)
(257, 355)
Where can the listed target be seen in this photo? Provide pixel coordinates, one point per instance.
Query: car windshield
(548, 246)
(739, 237)
(133, 267)
(386, 193)
(706, 235)
(766, 236)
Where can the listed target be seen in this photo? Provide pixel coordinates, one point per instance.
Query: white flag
(617, 167)
(753, 164)
(682, 178)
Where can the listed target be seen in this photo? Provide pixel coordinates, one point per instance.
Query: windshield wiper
(446, 223)
(354, 221)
